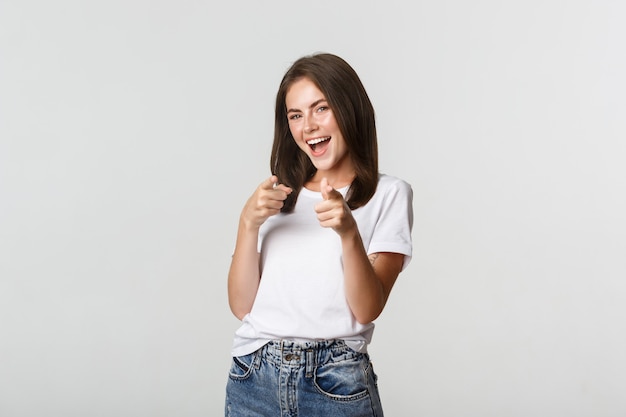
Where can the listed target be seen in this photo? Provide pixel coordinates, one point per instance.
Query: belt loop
(257, 358)
(310, 362)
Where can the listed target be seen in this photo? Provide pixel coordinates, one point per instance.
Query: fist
(333, 211)
(266, 201)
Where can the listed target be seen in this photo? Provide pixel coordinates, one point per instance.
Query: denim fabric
(305, 379)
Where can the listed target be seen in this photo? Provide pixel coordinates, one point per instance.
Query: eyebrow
(315, 103)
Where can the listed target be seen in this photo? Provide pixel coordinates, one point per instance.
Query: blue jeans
(307, 379)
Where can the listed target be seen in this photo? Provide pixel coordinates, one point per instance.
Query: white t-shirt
(301, 294)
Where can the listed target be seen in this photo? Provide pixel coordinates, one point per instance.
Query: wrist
(351, 236)
(247, 225)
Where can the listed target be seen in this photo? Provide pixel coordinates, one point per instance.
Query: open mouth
(318, 144)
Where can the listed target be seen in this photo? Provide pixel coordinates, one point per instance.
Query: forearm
(365, 292)
(244, 274)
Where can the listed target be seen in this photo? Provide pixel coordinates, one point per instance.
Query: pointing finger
(328, 192)
(270, 183)
(325, 188)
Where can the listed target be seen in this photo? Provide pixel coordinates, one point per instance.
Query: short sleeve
(392, 231)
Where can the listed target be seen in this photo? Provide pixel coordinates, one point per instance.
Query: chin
(321, 166)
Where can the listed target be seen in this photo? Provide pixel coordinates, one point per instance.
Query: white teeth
(318, 140)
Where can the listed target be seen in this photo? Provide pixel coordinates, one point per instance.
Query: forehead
(302, 93)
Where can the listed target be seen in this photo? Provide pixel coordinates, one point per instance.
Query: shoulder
(391, 184)
(390, 191)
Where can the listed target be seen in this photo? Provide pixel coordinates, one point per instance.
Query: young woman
(319, 246)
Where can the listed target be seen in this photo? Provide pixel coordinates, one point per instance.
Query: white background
(131, 133)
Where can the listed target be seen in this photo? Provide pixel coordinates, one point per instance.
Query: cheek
(294, 130)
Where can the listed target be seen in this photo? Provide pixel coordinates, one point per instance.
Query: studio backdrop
(132, 132)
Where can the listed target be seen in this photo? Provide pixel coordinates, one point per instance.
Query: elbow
(240, 304)
(240, 314)
(238, 311)
(368, 315)
(366, 318)
(369, 311)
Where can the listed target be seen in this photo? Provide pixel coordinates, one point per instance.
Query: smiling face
(315, 130)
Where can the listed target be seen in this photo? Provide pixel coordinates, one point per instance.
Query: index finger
(270, 183)
(328, 191)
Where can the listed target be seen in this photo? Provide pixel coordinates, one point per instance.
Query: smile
(313, 143)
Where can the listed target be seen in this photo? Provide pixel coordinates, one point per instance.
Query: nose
(309, 125)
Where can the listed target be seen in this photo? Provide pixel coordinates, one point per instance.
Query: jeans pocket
(241, 367)
(342, 381)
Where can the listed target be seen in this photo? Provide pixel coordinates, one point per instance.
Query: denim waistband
(308, 354)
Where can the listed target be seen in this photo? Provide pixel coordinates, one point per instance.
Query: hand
(266, 201)
(334, 212)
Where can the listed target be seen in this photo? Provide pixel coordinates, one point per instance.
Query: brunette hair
(354, 113)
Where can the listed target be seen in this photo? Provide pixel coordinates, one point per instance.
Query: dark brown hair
(354, 113)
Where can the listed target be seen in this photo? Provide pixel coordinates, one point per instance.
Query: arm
(368, 281)
(244, 274)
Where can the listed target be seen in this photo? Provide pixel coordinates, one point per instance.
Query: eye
(322, 108)
(294, 116)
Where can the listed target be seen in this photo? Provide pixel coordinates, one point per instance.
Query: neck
(336, 181)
